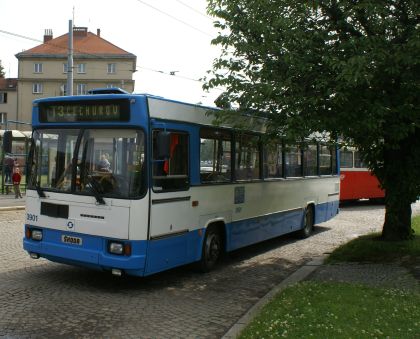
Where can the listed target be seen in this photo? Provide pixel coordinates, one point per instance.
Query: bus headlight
(116, 248)
(36, 235)
(119, 248)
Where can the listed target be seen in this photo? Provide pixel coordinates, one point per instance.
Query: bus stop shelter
(20, 149)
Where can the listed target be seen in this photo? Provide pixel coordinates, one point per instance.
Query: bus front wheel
(308, 223)
(212, 249)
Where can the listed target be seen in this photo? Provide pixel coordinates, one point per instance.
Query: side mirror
(163, 141)
(7, 141)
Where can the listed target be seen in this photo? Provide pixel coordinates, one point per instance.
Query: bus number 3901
(31, 217)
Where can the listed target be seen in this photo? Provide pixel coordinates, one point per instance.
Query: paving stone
(40, 299)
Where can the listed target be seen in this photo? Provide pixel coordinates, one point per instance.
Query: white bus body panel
(175, 111)
(117, 219)
(262, 201)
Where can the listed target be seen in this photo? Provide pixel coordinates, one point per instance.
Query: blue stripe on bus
(254, 230)
(326, 211)
(251, 231)
(173, 251)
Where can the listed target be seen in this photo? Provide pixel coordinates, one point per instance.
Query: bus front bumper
(86, 250)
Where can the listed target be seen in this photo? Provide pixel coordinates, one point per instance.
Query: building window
(65, 68)
(111, 85)
(37, 88)
(3, 118)
(112, 68)
(3, 98)
(81, 68)
(81, 89)
(37, 68)
(63, 89)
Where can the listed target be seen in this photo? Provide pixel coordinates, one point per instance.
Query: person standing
(8, 168)
(16, 178)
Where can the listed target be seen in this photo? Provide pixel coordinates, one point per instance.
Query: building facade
(97, 63)
(8, 100)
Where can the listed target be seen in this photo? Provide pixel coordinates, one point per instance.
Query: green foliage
(337, 310)
(347, 67)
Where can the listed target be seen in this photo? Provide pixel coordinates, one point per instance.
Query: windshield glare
(108, 162)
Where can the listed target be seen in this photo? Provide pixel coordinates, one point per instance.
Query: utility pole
(70, 61)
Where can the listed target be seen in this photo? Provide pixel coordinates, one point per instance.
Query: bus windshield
(105, 162)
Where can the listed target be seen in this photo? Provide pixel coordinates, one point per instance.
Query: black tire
(308, 223)
(212, 250)
(377, 201)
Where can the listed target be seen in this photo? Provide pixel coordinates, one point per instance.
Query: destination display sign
(84, 111)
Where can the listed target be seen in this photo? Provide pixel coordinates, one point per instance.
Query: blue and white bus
(138, 184)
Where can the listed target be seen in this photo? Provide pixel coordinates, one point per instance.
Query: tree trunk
(397, 225)
(398, 195)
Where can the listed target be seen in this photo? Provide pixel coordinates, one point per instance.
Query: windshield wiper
(39, 190)
(95, 187)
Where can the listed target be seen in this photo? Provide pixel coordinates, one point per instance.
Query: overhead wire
(175, 18)
(194, 10)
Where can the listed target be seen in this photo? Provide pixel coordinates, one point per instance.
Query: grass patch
(337, 310)
(370, 248)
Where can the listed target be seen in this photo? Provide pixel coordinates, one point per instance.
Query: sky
(165, 35)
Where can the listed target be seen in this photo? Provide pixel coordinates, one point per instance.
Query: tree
(349, 67)
(1, 70)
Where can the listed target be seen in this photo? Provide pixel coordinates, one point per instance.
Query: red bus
(356, 181)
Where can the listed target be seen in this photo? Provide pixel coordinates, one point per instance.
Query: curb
(299, 275)
(12, 208)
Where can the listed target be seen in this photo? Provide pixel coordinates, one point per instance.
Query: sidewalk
(390, 275)
(8, 201)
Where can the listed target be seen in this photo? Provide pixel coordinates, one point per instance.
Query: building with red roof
(97, 63)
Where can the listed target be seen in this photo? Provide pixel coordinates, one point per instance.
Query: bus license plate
(71, 240)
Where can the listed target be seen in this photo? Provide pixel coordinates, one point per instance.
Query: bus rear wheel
(212, 250)
(308, 223)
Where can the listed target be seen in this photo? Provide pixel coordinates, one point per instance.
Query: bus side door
(171, 212)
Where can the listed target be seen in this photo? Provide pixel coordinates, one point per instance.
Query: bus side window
(346, 159)
(215, 155)
(247, 157)
(273, 161)
(326, 159)
(293, 161)
(310, 160)
(171, 174)
(358, 163)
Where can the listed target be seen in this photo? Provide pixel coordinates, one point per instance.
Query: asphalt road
(40, 299)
